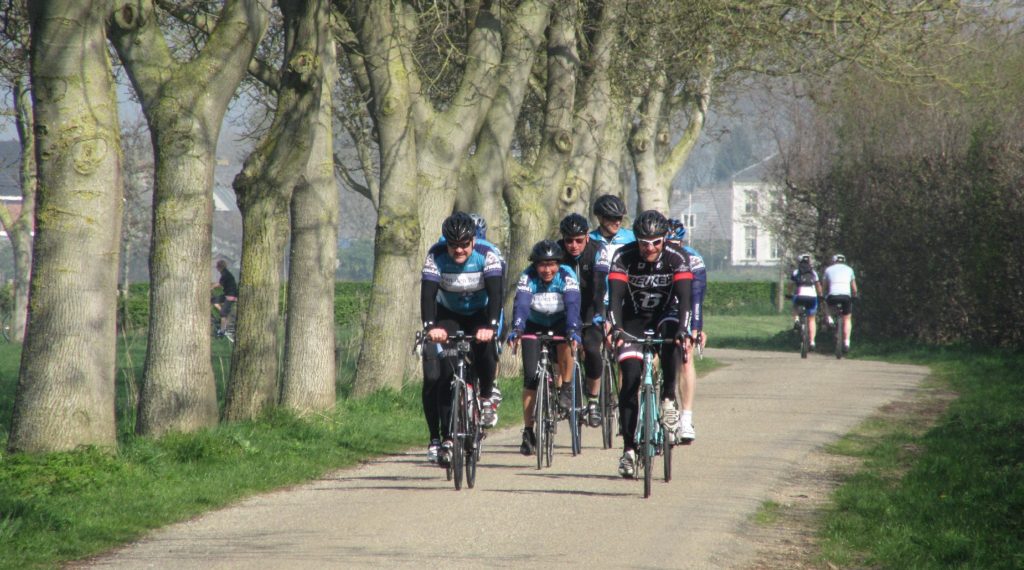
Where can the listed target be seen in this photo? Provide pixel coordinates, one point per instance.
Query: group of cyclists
(593, 288)
(838, 288)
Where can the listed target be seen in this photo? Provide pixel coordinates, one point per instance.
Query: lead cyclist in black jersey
(646, 281)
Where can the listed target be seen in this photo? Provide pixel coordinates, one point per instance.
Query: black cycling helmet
(458, 227)
(481, 225)
(650, 224)
(609, 206)
(573, 225)
(546, 250)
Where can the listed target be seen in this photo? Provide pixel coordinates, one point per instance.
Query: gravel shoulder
(760, 422)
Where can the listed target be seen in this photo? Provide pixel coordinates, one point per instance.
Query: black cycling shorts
(842, 302)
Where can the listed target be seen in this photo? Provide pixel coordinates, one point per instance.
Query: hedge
(351, 300)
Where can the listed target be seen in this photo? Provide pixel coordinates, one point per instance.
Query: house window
(751, 206)
(690, 220)
(751, 241)
(776, 250)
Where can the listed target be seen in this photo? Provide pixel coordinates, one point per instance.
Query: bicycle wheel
(839, 337)
(576, 412)
(606, 402)
(540, 407)
(458, 433)
(645, 453)
(666, 455)
(550, 421)
(804, 342)
(472, 442)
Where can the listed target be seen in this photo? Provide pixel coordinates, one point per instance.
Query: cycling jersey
(639, 288)
(700, 285)
(462, 288)
(839, 276)
(621, 238)
(804, 286)
(547, 304)
(591, 267)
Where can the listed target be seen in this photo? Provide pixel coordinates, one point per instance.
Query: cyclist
(646, 282)
(841, 287)
(609, 211)
(225, 302)
(589, 259)
(460, 290)
(547, 299)
(685, 433)
(805, 288)
(481, 238)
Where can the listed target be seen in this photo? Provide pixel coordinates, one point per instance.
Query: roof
(758, 172)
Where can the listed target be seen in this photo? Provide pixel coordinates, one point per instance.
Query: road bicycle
(545, 405)
(804, 330)
(608, 398)
(464, 427)
(651, 438)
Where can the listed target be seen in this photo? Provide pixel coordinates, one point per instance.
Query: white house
(729, 212)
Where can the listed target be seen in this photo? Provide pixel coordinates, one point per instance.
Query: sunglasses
(575, 240)
(651, 242)
(460, 244)
(616, 220)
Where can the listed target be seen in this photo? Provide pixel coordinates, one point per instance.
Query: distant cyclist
(225, 302)
(648, 279)
(805, 288)
(841, 289)
(547, 300)
(460, 290)
(677, 234)
(589, 259)
(609, 211)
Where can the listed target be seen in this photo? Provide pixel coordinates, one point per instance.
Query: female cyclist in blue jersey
(547, 300)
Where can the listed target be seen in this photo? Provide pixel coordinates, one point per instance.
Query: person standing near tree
(225, 302)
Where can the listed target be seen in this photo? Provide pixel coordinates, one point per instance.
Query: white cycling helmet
(838, 258)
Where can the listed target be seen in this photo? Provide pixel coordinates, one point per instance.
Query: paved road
(756, 420)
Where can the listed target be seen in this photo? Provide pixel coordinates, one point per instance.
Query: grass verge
(937, 482)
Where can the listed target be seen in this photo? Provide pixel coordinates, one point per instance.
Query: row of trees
(521, 110)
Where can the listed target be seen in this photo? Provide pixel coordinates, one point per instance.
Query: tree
(422, 143)
(264, 188)
(65, 395)
(184, 103)
(308, 381)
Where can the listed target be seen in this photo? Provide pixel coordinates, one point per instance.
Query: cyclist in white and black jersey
(646, 282)
(805, 288)
(589, 259)
(840, 290)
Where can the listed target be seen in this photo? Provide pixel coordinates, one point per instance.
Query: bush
(740, 297)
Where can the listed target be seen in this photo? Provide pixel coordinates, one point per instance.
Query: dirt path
(757, 420)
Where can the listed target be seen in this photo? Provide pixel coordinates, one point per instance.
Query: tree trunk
(65, 395)
(308, 382)
(184, 106)
(264, 189)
